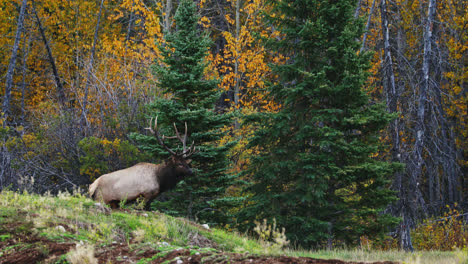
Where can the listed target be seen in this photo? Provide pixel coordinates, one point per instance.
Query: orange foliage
(245, 51)
(447, 233)
(125, 49)
(453, 14)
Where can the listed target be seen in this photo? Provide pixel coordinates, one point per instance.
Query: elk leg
(114, 204)
(148, 204)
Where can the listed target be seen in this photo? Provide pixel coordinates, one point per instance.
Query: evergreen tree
(190, 97)
(315, 171)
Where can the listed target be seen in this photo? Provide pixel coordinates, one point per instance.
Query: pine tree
(315, 172)
(190, 98)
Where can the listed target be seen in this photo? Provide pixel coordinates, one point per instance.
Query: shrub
(271, 235)
(102, 155)
(444, 233)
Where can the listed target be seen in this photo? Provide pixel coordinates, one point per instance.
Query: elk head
(179, 161)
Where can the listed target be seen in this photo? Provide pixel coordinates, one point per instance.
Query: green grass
(421, 257)
(86, 222)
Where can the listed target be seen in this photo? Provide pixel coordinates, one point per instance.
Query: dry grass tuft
(82, 254)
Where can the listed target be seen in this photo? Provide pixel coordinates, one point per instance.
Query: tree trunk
(358, 8)
(84, 119)
(127, 38)
(12, 63)
(26, 50)
(167, 17)
(364, 37)
(446, 150)
(236, 63)
(416, 170)
(330, 236)
(5, 167)
(58, 82)
(392, 100)
(405, 235)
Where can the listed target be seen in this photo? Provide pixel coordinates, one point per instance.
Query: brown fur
(144, 180)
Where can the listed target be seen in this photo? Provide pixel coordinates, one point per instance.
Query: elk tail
(92, 188)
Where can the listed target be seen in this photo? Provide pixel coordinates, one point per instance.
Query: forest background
(77, 82)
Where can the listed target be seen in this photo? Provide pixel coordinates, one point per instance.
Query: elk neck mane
(167, 176)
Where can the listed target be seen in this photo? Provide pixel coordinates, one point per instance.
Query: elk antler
(185, 152)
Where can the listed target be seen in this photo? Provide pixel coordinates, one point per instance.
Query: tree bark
(58, 82)
(364, 37)
(416, 170)
(405, 237)
(26, 50)
(5, 167)
(446, 150)
(392, 100)
(12, 63)
(167, 17)
(84, 119)
(390, 91)
(236, 63)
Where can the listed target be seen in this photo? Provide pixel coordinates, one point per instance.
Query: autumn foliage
(76, 81)
(446, 233)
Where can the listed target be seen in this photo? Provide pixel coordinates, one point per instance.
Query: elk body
(145, 180)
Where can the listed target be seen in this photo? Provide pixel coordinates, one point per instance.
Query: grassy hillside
(74, 229)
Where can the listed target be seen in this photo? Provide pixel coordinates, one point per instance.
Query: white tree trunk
(12, 63)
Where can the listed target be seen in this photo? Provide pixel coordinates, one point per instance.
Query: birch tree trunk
(167, 17)
(26, 51)
(12, 63)
(358, 7)
(369, 18)
(58, 82)
(416, 171)
(236, 63)
(392, 100)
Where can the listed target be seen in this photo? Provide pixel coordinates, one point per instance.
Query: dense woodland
(340, 121)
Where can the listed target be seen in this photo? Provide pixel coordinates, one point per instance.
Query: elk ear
(188, 161)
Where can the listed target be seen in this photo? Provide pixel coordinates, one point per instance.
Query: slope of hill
(74, 229)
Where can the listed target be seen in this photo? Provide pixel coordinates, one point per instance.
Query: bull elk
(145, 180)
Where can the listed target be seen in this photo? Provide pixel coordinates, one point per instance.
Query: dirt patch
(185, 256)
(27, 247)
(121, 253)
(24, 256)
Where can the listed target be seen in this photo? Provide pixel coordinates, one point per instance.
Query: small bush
(271, 234)
(444, 233)
(102, 155)
(82, 254)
